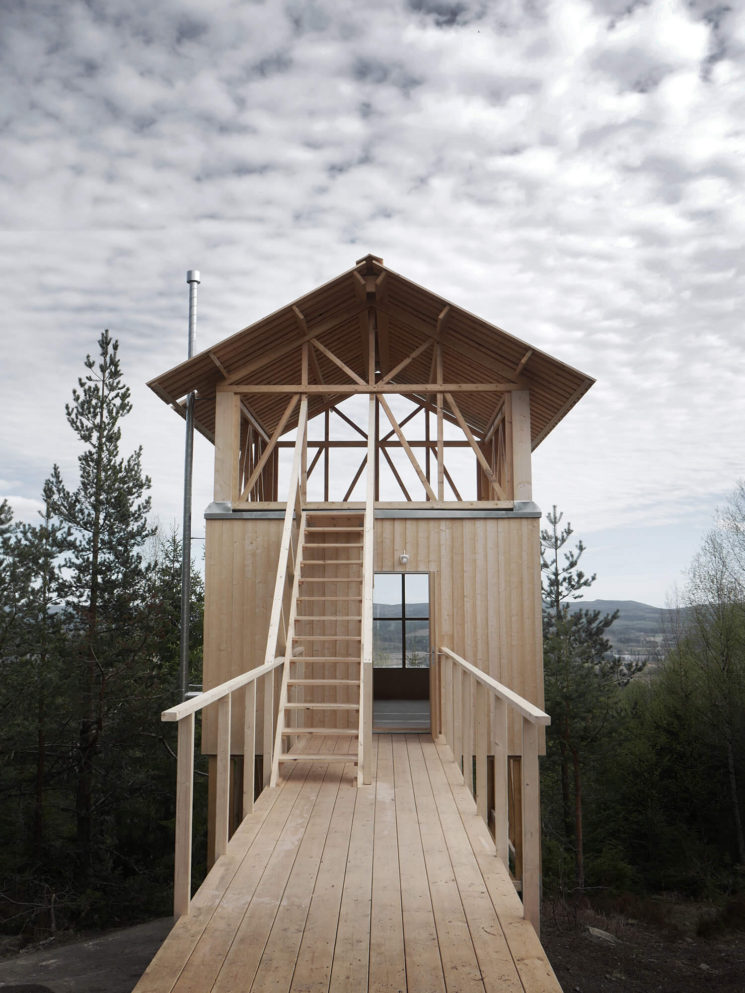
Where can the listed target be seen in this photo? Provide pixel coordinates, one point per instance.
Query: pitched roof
(407, 318)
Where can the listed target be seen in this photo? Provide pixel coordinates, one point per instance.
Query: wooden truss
(246, 455)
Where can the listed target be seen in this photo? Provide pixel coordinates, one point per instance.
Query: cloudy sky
(571, 170)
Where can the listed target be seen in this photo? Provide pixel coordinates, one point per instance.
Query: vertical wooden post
(227, 447)
(304, 457)
(249, 748)
(184, 796)
(435, 680)
(326, 454)
(440, 431)
(531, 826)
(458, 715)
(449, 695)
(364, 767)
(521, 445)
(427, 452)
(377, 450)
(268, 736)
(222, 792)
(481, 738)
(468, 732)
(501, 783)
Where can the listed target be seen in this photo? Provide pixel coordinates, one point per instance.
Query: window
(401, 620)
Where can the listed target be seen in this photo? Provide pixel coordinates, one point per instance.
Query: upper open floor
(450, 405)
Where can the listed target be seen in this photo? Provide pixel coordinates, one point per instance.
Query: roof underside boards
(407, 317)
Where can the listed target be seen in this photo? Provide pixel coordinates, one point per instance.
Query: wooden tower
(372, 551)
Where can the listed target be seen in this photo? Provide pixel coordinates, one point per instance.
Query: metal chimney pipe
(193, 279)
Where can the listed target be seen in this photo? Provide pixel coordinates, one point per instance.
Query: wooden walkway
(329, 887)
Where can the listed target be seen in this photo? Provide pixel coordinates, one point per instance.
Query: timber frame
(314, 497)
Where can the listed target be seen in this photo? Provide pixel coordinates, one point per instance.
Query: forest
(89, 647)
(641, 784)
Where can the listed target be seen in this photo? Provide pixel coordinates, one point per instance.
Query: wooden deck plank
(423, 965)
(270, 811)
(453, 935)
(349, 970)
(315, 956)
(387, 959)
(495, 960)
(331, 888)
(277, 964)
(204, 964)
(536, 974)
(244, 956)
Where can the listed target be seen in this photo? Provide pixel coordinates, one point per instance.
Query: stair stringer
(281, 712)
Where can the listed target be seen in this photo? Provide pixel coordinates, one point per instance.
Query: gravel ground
(108, 963)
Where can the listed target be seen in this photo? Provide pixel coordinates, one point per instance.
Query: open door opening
(401, 651)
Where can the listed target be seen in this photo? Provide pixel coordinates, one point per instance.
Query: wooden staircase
(320, 694)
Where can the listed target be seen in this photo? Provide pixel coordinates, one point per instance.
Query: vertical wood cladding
(485, 594)
(241, 558)
(486, 597)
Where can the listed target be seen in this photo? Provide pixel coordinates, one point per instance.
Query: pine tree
(7, 584)
(104, 574)
(165, 598)
(581, 675)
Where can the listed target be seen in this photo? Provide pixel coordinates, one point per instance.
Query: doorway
(401, 651)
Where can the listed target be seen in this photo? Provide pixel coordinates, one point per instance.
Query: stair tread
(328, 617)
(333, 544)
(324, 658)
(311, 757)
(322, 706)
(335, 732)
(327, 637)
(354, 526)
(320, 599)
(330, 579)
(323, 682)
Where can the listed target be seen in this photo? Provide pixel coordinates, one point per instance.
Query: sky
(570, 170)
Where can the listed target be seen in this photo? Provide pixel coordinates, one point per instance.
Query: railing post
(222, 786)
(249, 748)
(449, 695)
(468, 732)
(458, 717)
(531, 826)
(184, 797)
(481, 738)
(268, 737)
(501, 813)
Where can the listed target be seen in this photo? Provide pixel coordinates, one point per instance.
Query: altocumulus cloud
(569, 170)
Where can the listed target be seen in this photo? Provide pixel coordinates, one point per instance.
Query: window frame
(403, 618)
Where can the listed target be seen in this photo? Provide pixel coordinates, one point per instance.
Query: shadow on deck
(331, 887)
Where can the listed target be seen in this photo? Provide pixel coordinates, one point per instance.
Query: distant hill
(639, 628)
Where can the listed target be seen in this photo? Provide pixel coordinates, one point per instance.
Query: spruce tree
(581, 674)
(104, 574)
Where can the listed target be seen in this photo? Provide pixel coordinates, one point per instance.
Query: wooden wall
(240, 569)
(485, 591)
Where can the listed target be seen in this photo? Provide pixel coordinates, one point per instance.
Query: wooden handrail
(204, 699)
(474, 730)
(183, 713)
(528, 710)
